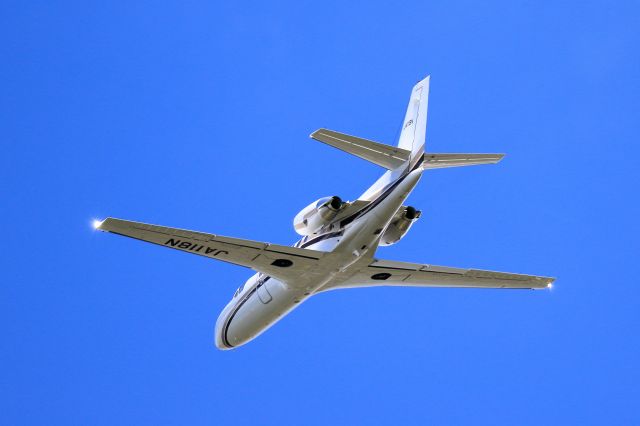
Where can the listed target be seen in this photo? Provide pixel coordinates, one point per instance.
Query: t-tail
(414, 126)
(411, 144)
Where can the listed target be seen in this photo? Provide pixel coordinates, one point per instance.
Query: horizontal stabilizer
(441, 161)
(389, 157)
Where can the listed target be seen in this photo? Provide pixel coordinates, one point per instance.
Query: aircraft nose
(219, 339)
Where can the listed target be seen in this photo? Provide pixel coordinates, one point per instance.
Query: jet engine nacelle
(316, 215)
(400, 224)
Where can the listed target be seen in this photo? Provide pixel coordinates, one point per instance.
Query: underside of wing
(282, 262)
(391, 273)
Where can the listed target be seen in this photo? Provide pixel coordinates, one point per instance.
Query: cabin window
(238, 291)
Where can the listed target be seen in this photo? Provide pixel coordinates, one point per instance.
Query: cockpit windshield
(301, 241)
(322, 201)
(238, 291)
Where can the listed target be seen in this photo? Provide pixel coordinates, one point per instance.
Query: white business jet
(339, 239)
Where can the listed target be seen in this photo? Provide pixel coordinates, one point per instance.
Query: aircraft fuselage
(263, 300)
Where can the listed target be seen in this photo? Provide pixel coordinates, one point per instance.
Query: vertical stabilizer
(414, 126)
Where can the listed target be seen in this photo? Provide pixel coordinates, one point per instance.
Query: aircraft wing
(281, 262)
(392, 273)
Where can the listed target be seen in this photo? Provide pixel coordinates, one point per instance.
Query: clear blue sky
(196, 114)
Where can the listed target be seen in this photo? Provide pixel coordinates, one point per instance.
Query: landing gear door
(263, 292)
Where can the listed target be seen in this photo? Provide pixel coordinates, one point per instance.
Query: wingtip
(316, 132)
(549, 282)
(544, 283)
(103, 225)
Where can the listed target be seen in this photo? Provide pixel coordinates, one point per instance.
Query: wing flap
(389, 157)
(282, 262)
